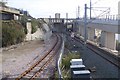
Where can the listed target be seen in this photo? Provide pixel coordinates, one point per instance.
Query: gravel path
(16, 61)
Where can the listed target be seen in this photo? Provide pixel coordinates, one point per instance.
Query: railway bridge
(100, 31)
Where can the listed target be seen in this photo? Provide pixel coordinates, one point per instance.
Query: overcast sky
(46, 8)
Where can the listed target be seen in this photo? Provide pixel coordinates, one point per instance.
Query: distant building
(57, 15)
(9, 13)
(24, 12)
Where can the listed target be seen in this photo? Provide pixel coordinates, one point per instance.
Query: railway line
(35, 70)
(114, 60)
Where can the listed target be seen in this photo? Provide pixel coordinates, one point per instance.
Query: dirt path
(14, 62)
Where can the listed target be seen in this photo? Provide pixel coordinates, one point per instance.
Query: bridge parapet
(9, 9)
(56, 20)
(94, 20)
(100, 21)
(104, 25)
(103, 21)
(110, 17)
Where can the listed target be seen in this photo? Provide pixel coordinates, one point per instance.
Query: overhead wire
(96, 2)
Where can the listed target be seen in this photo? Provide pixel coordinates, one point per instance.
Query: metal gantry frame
(107, 11)
(86, 22)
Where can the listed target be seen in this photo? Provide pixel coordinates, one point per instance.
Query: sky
(46, 8)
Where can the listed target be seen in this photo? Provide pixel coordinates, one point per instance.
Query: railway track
(35, 70)
(115, 60)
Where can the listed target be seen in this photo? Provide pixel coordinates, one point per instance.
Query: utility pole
(90, 8)
(85, 31)
(66, 20)
(85, 24)
(78, 11)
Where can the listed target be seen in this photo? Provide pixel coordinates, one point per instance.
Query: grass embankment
(65, 65)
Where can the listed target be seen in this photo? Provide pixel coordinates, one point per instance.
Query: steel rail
(48, 61)
(38, 62)
(98, 50)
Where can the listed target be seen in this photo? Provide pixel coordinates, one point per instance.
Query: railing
(56, 20)
(59, 61)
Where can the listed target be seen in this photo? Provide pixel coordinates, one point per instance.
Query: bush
(23, 22)
(12, 33)
(68, 57)
(34, 23)
(66, 64)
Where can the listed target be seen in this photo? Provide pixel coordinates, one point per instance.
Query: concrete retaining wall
(43, 33)
(37, 35)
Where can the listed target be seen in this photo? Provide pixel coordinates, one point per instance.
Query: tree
(3, 3)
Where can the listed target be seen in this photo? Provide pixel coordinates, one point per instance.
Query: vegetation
(66, 59)
(12, 33)
(34, 23)
(65, 65)
(23, 22)
(3, 3)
